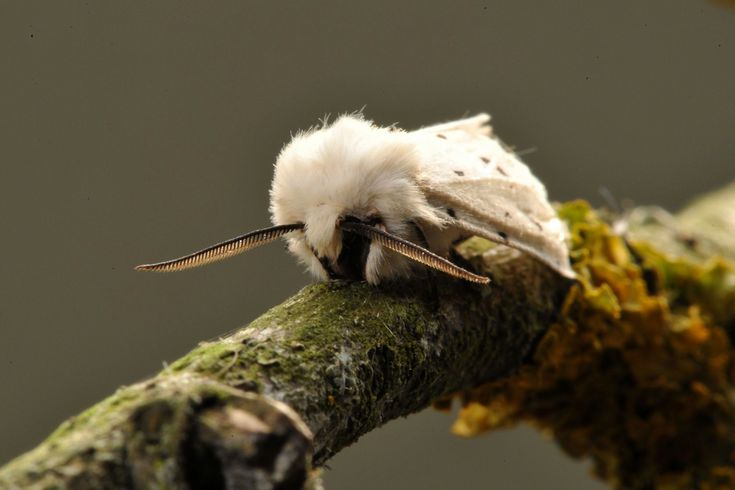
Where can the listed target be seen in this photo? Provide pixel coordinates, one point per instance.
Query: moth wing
(486, 190)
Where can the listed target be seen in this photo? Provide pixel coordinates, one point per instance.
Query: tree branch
(345, 357)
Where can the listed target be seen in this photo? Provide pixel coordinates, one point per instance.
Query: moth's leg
(421, 237)
(326, 265)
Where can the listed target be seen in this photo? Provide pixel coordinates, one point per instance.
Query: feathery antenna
(412, 251)
(222, 250)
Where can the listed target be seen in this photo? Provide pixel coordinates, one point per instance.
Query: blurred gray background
(137, 132)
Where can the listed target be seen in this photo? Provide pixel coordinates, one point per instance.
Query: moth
(358, 201)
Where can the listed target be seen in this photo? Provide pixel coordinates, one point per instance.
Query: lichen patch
(637, 373)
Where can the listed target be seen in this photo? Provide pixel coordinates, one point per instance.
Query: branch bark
(262, 406)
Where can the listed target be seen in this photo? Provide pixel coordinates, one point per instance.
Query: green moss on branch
(346, 357)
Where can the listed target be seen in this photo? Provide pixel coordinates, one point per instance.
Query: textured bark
(345, 357)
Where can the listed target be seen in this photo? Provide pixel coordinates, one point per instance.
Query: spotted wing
(487, 191)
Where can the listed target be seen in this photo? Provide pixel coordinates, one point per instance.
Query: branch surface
(345, 357)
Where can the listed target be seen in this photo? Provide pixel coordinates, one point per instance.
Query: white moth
(363, 202)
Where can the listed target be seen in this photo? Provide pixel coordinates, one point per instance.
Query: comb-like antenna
(223, 250)
(412, 251)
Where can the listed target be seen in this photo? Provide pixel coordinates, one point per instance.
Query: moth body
(363, 202)
(355, 171)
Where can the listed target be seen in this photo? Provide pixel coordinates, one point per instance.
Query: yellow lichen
(636, 374)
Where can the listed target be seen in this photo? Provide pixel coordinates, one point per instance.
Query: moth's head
(349, 172)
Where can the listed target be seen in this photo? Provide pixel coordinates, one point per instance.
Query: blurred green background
(137, 132)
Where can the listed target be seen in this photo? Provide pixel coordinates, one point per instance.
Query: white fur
(350, 167)
(452, 180)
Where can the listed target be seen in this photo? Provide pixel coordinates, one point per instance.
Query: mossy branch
(262, 406)
(346, 357)
(638, 372)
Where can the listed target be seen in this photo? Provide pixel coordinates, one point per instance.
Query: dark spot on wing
(441, 136)
(485, 159)
(459, 172)
(451, 212)
(502, 171)
(507, 214)
(689, 241)
(502, 235)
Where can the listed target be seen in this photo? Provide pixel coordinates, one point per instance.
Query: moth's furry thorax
(350, 168)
